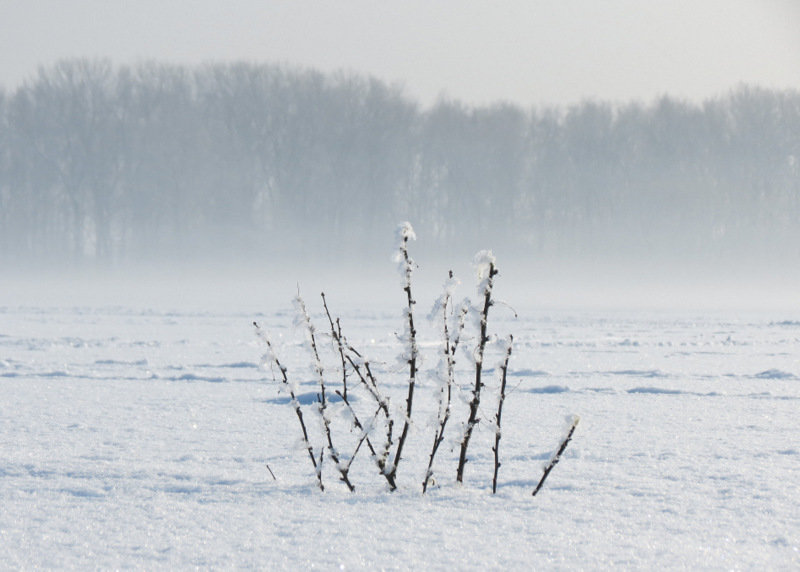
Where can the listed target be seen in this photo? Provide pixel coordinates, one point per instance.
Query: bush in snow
(373, 424)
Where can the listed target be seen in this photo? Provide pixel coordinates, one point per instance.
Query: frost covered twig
(343, 468)
(368, 379)
(341, 346)
(336, 334)
(295, 403)
(364, 435)
(450, 345)
(405, 232)
(500, 400)
(573, 422)
(485, 265)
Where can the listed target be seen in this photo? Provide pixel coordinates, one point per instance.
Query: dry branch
(483, 258)
(343, 468)
(407, 266)
(445, 395)
(557, 456)
(285, 380)
(498, 416)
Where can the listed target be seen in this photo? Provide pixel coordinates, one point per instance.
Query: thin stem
(476, 391)
(323, 404)
(285, 380)
(370, 383)
(408, 267)
(498, 416)
(557, 456)
(336, 334)
(446, 393)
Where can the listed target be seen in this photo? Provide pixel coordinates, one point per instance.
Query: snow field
(141, 439)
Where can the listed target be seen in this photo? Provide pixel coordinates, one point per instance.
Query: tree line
(110, 164)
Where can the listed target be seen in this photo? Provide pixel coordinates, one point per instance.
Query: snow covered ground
(145, 439)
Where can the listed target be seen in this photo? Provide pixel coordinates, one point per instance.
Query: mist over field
(241, 177)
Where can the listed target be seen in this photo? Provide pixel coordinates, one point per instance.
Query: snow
(147, 438)
(405, 232)
(483, 261)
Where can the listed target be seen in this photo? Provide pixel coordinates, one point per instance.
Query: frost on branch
(323, 410)
(484, 263)
(485, 269)
(405, 232)
(572, 422)
(366, 412)
(507, 346)
(411, 353)
(405, 264)
(450, 339)
(273, 358)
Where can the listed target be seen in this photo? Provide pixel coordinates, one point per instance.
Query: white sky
(524, 51)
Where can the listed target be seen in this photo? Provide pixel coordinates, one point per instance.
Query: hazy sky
(524, 51)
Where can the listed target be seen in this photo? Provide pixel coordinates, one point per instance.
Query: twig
(336, 333)
(369, 381)
(557, 456)
(501, 399)
(486, 259)
(364, 437)
(407, 266)
(285, 380)
(445, 394)
(323, 403)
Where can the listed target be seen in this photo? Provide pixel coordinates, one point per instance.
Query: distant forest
(107, 164)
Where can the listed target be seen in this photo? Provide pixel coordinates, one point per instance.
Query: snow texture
(147, 439)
